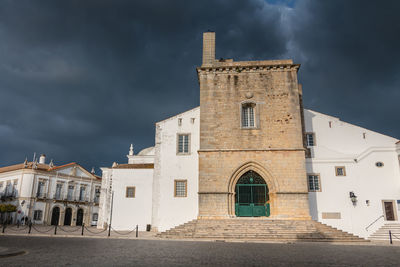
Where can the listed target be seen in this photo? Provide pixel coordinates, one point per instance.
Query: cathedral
(251, 155)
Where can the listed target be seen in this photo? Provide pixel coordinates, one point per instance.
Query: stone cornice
(234, 69)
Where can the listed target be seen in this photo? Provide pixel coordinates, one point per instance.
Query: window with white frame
(95, 217)
(41, 189)
(248, 115)
(314, 183)
(183, 144)
(340, 171)
(180, 188)
(58, 191)
(82, 193)
(310, 137)
(37, 215)
(70, 192)
(97, 194)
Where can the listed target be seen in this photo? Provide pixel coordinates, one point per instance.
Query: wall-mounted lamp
(353, 198)
(367, 202)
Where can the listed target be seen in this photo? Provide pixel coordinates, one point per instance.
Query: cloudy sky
(81, 80)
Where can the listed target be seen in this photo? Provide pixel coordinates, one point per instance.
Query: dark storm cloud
(81, 80)
(350, 60)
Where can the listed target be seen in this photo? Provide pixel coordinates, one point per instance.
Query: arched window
(248, 115)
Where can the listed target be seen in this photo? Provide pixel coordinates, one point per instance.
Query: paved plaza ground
(75, 251)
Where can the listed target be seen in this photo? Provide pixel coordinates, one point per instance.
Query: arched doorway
(251, 196)
(68, 216)
(55, 216)
(79, 217)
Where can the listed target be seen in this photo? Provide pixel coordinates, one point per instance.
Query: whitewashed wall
(342, 144)
(129, 212)
(170, 211)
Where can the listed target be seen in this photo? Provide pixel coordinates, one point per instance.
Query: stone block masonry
(273, 148)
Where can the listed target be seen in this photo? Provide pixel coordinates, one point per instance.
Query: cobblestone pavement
(58, 251)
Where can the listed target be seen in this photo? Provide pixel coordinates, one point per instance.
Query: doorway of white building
(79, 217)
(388, 207)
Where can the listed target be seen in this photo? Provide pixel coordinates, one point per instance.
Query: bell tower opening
(251, 196)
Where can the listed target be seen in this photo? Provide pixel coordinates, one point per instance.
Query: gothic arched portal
(251, 196)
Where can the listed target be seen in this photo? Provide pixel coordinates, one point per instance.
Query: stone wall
(273, 148)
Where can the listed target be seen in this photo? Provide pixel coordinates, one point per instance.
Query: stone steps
(259, 229)
(383, 232)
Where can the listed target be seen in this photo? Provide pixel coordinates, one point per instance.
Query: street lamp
(353, 198)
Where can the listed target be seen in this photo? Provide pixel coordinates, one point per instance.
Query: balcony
(8, 195)
(41, 196)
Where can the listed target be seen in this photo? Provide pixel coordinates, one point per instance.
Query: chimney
(42, 159)
(208, 48)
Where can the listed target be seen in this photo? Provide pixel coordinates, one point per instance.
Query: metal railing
(377, 219)
(8, 194)
(41, 195)
(66, 197)
(391, 235)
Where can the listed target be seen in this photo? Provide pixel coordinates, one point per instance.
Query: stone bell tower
(250, 120)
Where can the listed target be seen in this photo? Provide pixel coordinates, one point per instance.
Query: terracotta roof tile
(135, 166)
(43, 167)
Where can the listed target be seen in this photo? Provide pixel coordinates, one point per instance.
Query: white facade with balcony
(48, 194)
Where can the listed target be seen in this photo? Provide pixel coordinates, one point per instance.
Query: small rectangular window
(130, 191)
(314, 183)
(37, 215)
(310, 137)
(180, 188)
(340, 171)
(183, 143)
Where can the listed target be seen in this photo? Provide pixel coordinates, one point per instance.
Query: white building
(353, 174)
(131, 204)
(344, 159)
(49, 194)
(347, 159)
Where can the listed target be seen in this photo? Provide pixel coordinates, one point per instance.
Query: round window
(379, 164)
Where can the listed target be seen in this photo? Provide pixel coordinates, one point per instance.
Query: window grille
(180, 188)
(340, 171)
(313, 183)
(310, 139)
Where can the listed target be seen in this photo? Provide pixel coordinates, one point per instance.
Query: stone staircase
(383, 232)
(259, 229)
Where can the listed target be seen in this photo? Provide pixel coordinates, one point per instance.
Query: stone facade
(273, 148)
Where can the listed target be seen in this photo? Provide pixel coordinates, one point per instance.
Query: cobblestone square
(58, 251)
